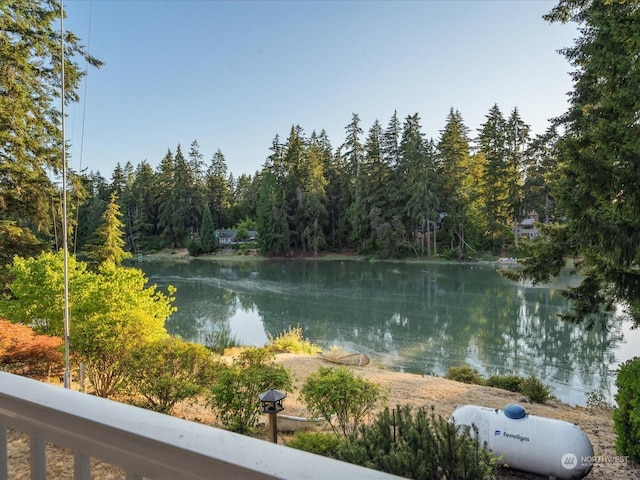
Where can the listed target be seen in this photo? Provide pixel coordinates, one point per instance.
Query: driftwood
(356, 359)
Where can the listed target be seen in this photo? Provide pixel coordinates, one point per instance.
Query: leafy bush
(339, 396)
(320, 443)
(534, 390)
(195, 248)
(23, 352)
(234, 397)
(626, 416)
(465, 374)
(597, 399)
(292, 342)
(419, 446)
(169, 370)
(531, 387)
(513, 383)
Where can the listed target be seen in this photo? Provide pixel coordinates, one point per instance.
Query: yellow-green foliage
(341, 397)
(292, 342)
(234, 396)
(320, 443)
(465, 374)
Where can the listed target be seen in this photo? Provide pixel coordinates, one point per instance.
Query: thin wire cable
(84, 114)
(86, 82)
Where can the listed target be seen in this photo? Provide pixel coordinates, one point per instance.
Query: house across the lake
(527, 227)
(230, 236)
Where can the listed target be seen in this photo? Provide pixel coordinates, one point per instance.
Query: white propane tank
(540, 445)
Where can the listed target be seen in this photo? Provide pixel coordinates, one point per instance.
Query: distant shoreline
(182, 255)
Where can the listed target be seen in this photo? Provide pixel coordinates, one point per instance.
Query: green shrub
(513, 383)
(320, 443)
(419, 446)
(292, 342)
(465, 374)
(339, 396)
(195, 248)
(597, 399)
(167, 371)
(534, 390)
(626, 416)
(234, 397)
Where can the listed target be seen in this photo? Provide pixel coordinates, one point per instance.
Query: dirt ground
(401, 389)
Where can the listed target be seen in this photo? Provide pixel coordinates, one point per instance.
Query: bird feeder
(271, 401)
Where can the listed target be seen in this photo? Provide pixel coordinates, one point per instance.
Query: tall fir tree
(452, 170)
(245, 194)
(351, 154)
(517, 139)
(218, 190)
(208, 239)
(314, 184)
(492, 142)
(541, 162)
(421, 209)
(108, 244)
(598, 190)
(272, 220)
(367, 189)
(30, 126)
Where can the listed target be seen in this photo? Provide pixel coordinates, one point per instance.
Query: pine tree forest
(387, 192)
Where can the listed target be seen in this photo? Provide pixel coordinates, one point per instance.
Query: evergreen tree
(144, 209)
(245, 194)
(118, 180)
(496, 178)
(189, 183)
(422, 204)
(598, 190)
(166, 219)
(334, 174)
(208, 238)
(273, 224)
(90, 213)
(180, 213)
(367, 189)
(391, 141)
(541, 169)
(517, 138)
(108, 246)
(314, 184)
(293, 164)
(30, 127)
(353, 149)
(218, 190)
(452, 171)
(351, 154)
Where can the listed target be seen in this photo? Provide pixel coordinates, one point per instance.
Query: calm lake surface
(418, 318)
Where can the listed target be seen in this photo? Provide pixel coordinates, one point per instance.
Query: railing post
(4, 471)
(38, 454)
(81, 467)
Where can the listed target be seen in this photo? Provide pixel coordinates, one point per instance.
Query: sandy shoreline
(445, 395)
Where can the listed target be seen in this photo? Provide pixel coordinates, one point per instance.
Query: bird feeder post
(271, 401)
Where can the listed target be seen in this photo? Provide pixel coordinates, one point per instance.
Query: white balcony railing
(146, 444)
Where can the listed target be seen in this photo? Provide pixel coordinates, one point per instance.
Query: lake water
(418, 318)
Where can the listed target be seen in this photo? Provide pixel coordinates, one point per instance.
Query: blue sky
(233, 74)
